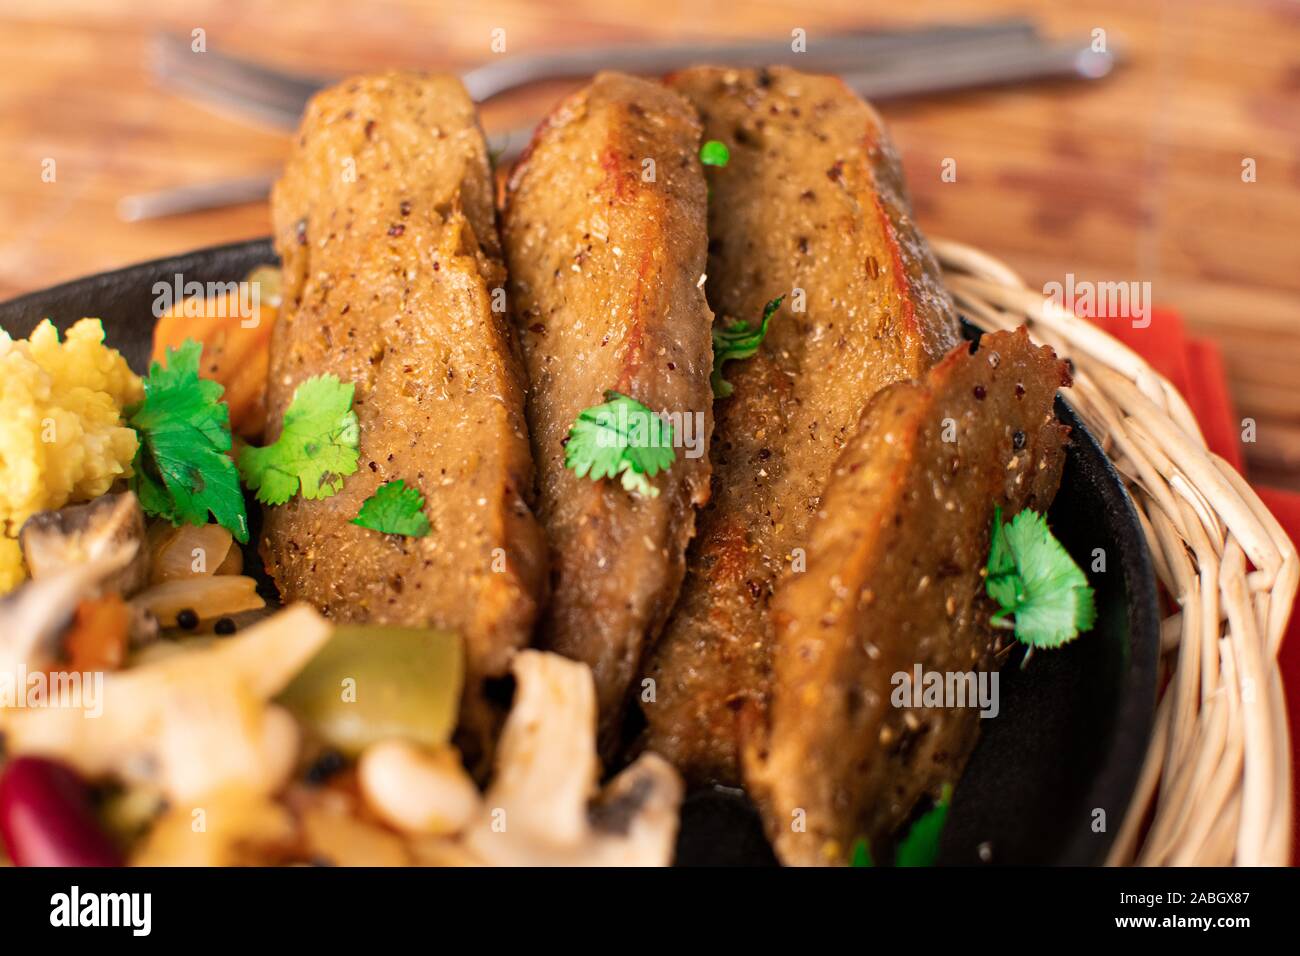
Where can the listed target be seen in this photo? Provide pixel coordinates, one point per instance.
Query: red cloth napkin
(1195, 367)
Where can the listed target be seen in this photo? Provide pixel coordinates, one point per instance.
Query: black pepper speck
(325, 766)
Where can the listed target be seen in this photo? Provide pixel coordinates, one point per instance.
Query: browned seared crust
(811, 200)
(384, 220)
(894, 578)
(604, 231)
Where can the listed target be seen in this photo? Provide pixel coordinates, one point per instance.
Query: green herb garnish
(394, 509)
(620, 437)
(738, 341)
(921, 845)
(182, 471)
(316, 448)
(1033, 577)
(861, 854)
(715, 153)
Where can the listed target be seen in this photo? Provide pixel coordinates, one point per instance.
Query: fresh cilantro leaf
(317, 446)
(738, 341)
(921, 845)
(1002, 581)
(715, 153)
(620, 437)
(1031, 576)
(182, 471)
(861, 855)
(394, 509)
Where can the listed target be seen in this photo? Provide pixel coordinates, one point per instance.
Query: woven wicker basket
(1215, 789)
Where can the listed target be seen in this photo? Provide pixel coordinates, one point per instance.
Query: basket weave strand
(1215, 788)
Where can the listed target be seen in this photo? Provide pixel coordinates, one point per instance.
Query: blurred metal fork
(278, 97)
(900, 63)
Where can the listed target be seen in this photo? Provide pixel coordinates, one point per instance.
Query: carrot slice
(98, 638)
(234, 355)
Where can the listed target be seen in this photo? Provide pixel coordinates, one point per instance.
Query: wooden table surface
(1137, 178)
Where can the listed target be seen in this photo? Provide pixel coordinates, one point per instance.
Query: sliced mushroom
(53, 541)
(538, 811)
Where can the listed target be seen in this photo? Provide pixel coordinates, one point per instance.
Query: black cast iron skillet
(1053, 773)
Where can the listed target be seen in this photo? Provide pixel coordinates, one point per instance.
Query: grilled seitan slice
(810, 206)
(604, 230)
(894, 579)
(385, 222)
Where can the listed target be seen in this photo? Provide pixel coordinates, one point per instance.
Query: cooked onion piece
(234, 563)
(208, 597)
(191, 551)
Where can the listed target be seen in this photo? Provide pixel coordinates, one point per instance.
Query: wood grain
(1137, 178)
